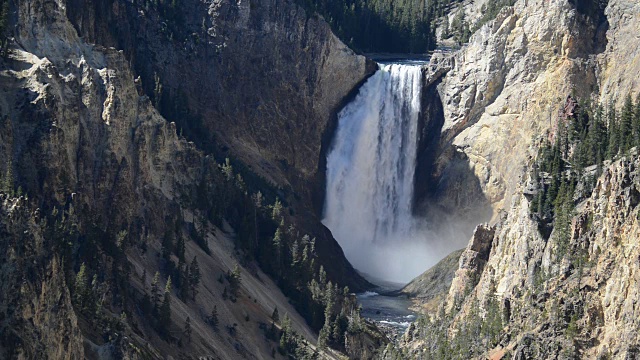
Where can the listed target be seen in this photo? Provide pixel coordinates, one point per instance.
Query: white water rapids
(370, 174)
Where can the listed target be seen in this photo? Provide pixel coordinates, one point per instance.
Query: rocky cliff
(574, 302)
(259, 82)
(265, 78)
(107, 181)
(38, 320)
(500, 93)
(519, 293)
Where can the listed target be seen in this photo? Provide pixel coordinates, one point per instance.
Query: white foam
(370, 172)
(368, 294)
(403, 324)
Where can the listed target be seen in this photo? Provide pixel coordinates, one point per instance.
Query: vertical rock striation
(555, 300)
(81, 133)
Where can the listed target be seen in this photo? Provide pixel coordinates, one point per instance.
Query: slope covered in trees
(586, 136)
(383, 25)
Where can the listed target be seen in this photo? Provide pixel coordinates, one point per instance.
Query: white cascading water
(370, 172)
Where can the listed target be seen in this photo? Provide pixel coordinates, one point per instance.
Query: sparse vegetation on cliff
(586, 135)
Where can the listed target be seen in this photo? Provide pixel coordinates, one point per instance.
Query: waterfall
(370, 172)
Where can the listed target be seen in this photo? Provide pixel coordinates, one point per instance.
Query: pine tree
(596, 137)
(227, 169)
(235, 280)
(157, 92)
(187, 329)
(194, 277)
(213, 318)
(614, 133)
(278, 245)
(7, 184)
(155, 290)
(275, 316)
(626, 125)
(180, 248)
(295, 253)
(492, 324)
(82, 289)
(167, 245)
(4, 22)
(182, 283)
(144, 279)
(277, 210)
(165, 309)
(286, 339)
(445, 28)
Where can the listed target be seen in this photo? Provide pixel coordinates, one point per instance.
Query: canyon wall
(82, 141)
(529, 295)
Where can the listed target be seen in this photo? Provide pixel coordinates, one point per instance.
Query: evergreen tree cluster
(157, 305)
(404, 26)
(266, 234)
(293, 345)
(586, 137)
(186, 275)
(459, 28)
(95, 267)
(481, 329)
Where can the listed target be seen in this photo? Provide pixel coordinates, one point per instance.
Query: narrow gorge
(225, 179)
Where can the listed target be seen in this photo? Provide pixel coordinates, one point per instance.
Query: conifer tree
(227, 170)
(277, 210)
(234, 280)
(180, 248)
(194, 277)
(165, 309)
(182, 283)
(187, 329)
(287, 341)
(213, 318)
(445, 28)
(614, 132)
(597, 136)
(7, 184)
(82, 289)
(167, 245)
(155, 290)
(143, 279)
(626, 125)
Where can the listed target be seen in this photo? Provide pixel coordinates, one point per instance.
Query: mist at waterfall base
(370, 175)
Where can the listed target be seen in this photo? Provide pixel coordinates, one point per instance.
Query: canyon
(127, 129)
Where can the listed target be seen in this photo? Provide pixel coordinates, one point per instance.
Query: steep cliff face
(264, 77)
(81, 138)
(260, 82)
(38, 320)
(621, 56)
(516, 293)
(555, 301)
(499, 95)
